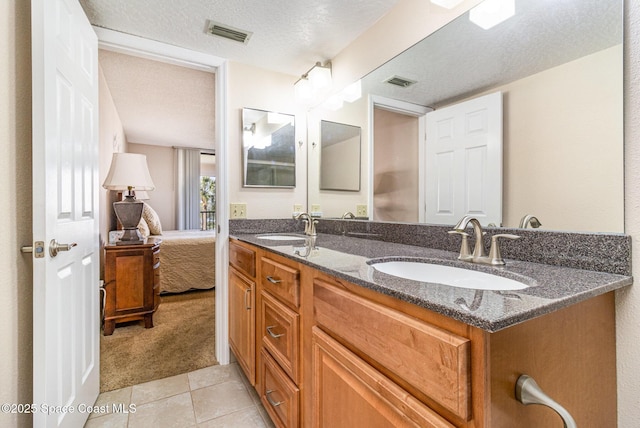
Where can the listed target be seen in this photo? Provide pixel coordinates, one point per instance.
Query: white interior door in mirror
(463, 166)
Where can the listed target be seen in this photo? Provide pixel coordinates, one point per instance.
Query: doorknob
(54, 247)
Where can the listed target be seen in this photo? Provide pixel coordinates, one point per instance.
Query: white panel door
(463, 165)
(66, 320)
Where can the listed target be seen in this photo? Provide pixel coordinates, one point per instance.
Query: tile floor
(217, 396)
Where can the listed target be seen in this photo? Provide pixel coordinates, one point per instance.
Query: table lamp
(129, 172)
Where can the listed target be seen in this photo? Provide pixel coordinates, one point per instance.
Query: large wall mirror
(269, 150)
(560, 71)
(339, 156)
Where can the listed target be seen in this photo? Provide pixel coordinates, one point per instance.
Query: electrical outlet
(297, 210)
(238, 210)
(361, 211)
(315, 207)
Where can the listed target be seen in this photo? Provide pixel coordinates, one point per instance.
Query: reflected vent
(235, 34)
(403, 82)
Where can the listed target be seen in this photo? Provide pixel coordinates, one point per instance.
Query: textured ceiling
(462, 58)
(161, 104)
(288, 36)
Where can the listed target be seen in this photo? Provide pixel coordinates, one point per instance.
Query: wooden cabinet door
(347, 392)
(242, 322)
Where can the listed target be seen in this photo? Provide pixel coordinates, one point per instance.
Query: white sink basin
(448, 275)
(282, 237)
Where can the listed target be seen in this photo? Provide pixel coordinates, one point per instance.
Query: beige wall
(543, 158)
(395, 171)
(15, 200)
(260, 89)
(111, 140)
(161, 164)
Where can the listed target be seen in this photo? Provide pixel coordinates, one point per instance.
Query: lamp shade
(128, 170)
(142, 195)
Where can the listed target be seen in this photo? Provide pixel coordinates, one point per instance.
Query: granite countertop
(347, 257)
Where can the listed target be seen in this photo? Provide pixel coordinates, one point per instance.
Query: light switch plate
(361, 211)
(315, 207)
(238, 210)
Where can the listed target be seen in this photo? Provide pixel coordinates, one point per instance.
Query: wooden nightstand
(131, 283)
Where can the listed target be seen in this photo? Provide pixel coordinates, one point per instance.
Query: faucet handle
(465, 253)
(312, 227)
(495, 258)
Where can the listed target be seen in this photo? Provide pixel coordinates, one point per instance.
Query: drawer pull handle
(528, 392)
(273, 403)
(273, 280)
(272, 334)
(247, 293)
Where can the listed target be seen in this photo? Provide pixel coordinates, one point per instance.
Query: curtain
(187, 189)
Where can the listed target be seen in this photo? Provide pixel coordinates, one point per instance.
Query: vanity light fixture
(303, 90)
(316, 79)
(320, 76)
(447, 4)
(490, 13)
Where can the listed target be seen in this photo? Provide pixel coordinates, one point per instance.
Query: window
(207, 203)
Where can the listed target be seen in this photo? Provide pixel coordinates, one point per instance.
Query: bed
(187, 257)
(187, 260)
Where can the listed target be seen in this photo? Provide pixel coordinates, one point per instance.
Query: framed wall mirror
(269, 150)
(560, 71)
(339, 156)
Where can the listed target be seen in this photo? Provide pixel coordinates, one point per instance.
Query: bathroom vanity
(327, 340)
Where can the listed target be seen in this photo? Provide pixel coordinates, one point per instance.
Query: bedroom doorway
(193, 315)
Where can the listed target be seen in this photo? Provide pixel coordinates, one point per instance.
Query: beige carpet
(182, 339)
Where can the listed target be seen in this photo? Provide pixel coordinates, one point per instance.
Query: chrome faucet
(479, 254)
(309, 246)
(529, 220)
(309, 223)
(348, 214)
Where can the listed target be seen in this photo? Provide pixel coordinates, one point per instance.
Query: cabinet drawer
(278, 394)
(412, 352)
(281, 281)
(242, 259)
(280, 334)
(348, 392)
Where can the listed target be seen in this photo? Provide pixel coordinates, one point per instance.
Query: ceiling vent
(221, 30)
(403, 82)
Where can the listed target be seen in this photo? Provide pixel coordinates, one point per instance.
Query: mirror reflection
(268, 145)
(560, 72)
(339, 156)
